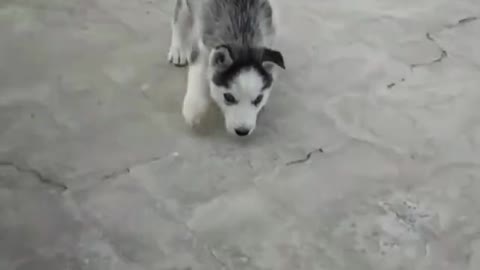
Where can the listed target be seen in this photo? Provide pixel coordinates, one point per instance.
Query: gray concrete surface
(98, 170)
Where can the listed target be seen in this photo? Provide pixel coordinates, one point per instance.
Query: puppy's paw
(178, 55)
(194, 109)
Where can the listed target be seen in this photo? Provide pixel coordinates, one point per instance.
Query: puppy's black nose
(242, 131)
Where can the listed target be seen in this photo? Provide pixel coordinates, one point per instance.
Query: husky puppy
(228, 47)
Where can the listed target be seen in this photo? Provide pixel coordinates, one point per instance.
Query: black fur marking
(243, 59)
(274, 57)
(222, 58)
(230, 99)
(257, 100)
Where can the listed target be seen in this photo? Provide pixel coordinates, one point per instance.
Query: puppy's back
(246, 23)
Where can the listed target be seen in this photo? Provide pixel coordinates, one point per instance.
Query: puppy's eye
(257, 100)
(229, 99)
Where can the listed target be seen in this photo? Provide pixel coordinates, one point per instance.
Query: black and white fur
(228, 47)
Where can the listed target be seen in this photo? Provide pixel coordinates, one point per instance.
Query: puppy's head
(240, 83)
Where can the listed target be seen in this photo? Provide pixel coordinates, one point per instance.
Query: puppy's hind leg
(181, 39)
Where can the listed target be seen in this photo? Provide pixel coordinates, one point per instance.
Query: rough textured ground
(99, 172)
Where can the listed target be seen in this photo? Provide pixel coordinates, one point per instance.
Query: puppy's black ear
(221, 57)
(271, 57)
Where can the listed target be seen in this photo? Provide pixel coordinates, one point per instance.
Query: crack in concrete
(443, 52)
(463, 21)
(211, 252)
(123, 171)
(305, 159)
(197, 239)
(393, 84)
(116, 173)
(401, 218)
(37, 174)
(215, 257)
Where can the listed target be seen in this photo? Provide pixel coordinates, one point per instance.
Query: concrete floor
(99, 172)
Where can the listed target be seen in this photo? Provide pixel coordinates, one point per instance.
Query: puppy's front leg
(197, 98)
(181, 40)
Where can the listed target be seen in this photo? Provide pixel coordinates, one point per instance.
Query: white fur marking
(181, 39)
(250, 82)
(197, 100)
